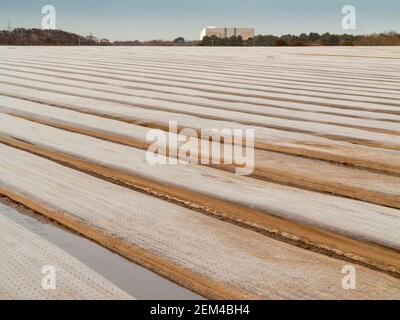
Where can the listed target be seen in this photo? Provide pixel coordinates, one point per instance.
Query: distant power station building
(245, 33)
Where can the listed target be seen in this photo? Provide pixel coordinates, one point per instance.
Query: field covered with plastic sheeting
(323, 193)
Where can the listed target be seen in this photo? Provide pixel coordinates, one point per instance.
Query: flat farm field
(318, 210)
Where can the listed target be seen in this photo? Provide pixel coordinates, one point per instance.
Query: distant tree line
(39, 37)
(180, 41)
(311, 39)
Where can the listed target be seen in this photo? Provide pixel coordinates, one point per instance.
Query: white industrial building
(245, 33)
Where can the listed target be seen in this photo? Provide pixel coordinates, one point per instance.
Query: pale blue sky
(167, 19)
